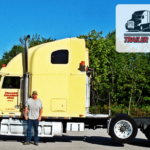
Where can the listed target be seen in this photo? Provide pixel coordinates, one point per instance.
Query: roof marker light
(3, 65)
(83, 63)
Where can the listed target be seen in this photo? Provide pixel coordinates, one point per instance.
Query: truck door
(10, 94)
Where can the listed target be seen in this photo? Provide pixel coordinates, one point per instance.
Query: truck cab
(140, 21)
(54, 71)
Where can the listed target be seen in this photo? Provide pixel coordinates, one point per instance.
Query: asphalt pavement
(87, 140)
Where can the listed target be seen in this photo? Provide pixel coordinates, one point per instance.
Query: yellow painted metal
(61, 87)
(58, 104)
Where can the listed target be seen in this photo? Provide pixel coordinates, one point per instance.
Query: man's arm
(39, 119)
(26, 111)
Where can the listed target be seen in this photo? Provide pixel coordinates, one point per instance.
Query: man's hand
(39, 119)
(26, 117)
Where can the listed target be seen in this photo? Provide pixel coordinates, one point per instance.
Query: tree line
(125, 76)
(122, 78)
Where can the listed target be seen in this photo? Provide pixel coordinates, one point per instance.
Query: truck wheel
(147, 133)
(141, 28)
(123, 128)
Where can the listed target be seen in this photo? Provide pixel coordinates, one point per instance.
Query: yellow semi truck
(60, 72)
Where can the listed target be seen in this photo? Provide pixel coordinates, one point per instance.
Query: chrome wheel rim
(123, 129)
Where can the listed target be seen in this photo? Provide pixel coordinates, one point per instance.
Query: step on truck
(60, 72)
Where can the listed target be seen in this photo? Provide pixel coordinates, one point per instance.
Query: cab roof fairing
(16, 64)
(139, 12)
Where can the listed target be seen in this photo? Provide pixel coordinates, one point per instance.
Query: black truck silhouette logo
(140, 21)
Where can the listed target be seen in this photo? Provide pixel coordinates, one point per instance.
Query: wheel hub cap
(123, 129)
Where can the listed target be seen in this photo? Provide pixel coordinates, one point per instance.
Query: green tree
(7, 56)
(100, 49)
(124, 75)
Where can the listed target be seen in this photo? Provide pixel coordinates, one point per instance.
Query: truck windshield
(133, 16)
(139, 17)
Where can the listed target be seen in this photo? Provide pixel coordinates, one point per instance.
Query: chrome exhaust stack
(26, 75)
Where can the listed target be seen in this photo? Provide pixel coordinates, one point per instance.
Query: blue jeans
(35, 124)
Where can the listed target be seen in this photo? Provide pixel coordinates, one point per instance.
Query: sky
(57, 19)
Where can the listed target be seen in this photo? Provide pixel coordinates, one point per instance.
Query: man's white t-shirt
(33, 108)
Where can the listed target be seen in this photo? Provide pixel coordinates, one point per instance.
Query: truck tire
(147, 133)
(123, 128)
(141, 28)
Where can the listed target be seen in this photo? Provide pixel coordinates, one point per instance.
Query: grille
(130, 24)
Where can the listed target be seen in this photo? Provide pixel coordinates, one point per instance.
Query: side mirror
(142, 17)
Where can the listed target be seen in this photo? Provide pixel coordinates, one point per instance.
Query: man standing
(33, 108)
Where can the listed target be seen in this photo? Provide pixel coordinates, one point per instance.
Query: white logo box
(133, 28)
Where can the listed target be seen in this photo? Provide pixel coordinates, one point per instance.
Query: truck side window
(11, 83)
(59, 57)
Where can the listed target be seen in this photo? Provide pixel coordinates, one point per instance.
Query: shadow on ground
(106, 141)
(140, 142)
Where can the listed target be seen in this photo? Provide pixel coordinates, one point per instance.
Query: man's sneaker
(26, 143)
(36, 144)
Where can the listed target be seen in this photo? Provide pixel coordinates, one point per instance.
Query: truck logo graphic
(133, 28)
(140, 21)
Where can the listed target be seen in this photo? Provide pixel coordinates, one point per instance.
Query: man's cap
(34, 92)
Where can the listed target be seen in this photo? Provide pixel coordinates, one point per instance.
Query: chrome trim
(97, 115)
(26, 75)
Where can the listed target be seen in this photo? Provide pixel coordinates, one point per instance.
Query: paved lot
(88, 140)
